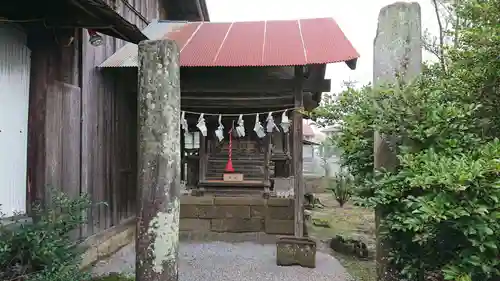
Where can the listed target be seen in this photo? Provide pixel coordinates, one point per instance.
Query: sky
(356, 18)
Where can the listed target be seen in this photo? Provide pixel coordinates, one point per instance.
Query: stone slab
(280, 213)
(239, 201)
(280, 202)
(282, 227)
(196, 225)
(236, 225)
(197, 200)
(222, 212)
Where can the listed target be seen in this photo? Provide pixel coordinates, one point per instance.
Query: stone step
(237, 192)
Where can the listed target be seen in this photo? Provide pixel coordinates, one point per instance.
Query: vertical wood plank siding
(82, 121)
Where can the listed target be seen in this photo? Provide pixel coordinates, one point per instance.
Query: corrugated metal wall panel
(14, 100)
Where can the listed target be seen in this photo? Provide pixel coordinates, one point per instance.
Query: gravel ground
(224, 261)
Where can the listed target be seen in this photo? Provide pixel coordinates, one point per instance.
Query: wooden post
(157, 240)
(267, 160)
(202, 153)
(297, 153)
(183, 156)
(397, 57)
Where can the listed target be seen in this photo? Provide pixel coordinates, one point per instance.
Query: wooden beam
(90, 13)
(253, 86)
(100, 10)
(209, 101)
(234, 98)
(297, 154)
(212, 105)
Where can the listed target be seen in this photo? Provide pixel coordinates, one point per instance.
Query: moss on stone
(115, 277)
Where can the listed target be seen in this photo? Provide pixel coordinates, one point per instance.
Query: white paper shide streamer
(219, 133)
(270, 125)
(259, 130)
(184, 123)
(201, 125)
(240, 129)
(285, 122)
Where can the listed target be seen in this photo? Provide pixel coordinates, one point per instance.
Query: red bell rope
(229, 165)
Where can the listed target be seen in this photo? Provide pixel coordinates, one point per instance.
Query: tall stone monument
(397, 57)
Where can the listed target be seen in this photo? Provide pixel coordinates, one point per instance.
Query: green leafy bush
(341, 185)
(115, 277)
(44, 249)
(442, 201)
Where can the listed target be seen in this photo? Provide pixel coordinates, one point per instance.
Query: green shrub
(441, 203)
(115, 277)
(44, 250)
(341, 185)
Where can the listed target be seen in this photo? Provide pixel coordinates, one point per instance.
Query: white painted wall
(14, 100)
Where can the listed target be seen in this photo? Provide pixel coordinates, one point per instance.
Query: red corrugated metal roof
(258, 43)
(263, 43)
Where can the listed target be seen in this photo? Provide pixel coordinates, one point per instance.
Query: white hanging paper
(184, 124)
(259, 130)
(219, 133)
(240, 129)
(285, 122)
(201, 125)
(270, 125)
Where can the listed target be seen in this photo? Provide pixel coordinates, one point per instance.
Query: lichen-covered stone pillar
(397, 57)
(297, 156)
(157, 240)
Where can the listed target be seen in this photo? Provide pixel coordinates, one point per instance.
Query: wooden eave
(89, 14)
(192, 10)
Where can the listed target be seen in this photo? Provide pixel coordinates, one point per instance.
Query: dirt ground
(351, 222)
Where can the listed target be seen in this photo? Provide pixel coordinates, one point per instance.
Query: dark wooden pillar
(202, 169)
(297, 152)
(267, 161)
(157, 240)
(286, 143)
(40, 62)
(183, 157)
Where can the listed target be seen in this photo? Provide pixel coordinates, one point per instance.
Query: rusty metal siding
(14, 100)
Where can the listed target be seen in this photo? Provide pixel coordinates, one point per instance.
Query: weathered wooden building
(63, 122)
(244, 68)
(234, 68)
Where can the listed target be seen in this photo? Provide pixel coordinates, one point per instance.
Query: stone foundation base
(237, 215)
(292, 250)
(106, 243)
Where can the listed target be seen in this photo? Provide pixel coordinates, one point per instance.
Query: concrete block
(282, 227)
(239, 201)
(296, 251)
(258, 211)
(236, 225)
(107, 242)
(197, 200)
(197, 211)
(222, 212)
(280, 202)
(188, 211)
(196, 225)
(280, 213)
